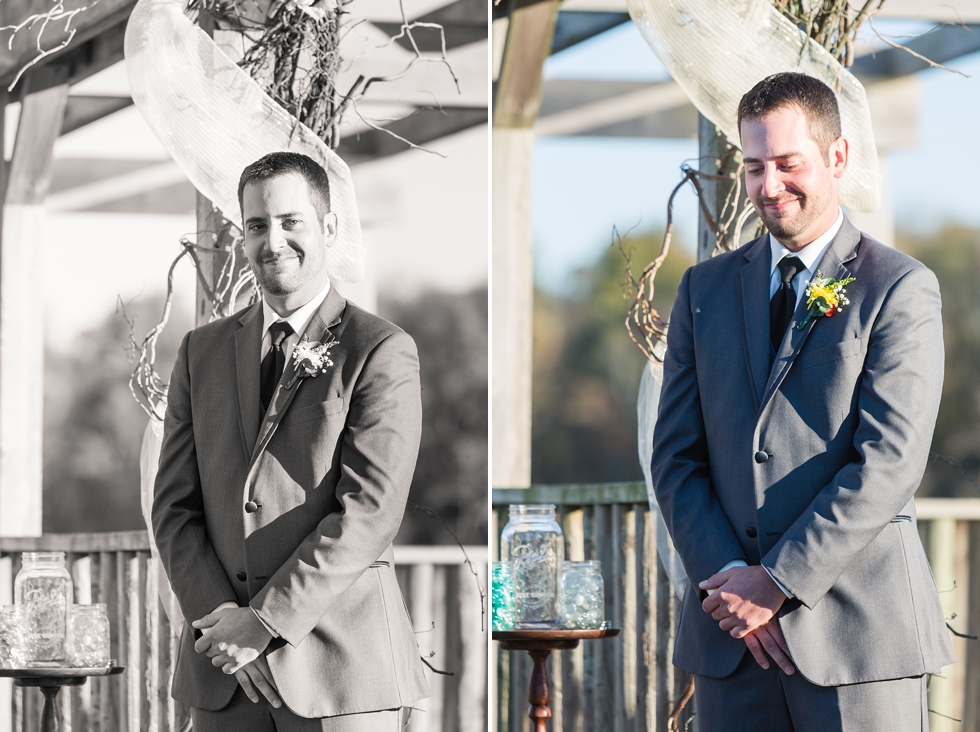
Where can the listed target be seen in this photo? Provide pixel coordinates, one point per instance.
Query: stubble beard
(279, 283)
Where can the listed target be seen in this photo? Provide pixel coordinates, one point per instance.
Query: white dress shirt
(810, 255)
(299, 321)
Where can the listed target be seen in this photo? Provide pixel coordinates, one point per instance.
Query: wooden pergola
(527, 106)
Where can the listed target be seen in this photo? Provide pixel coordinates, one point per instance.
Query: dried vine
(55, 15)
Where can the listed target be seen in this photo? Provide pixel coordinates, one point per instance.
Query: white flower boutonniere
(311, 358)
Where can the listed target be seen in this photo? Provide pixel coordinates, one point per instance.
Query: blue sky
(584, 186)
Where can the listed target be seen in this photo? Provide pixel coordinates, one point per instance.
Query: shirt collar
(299, 319)
(810, 254)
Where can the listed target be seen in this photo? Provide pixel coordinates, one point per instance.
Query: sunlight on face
(285, 240)
(791, 182)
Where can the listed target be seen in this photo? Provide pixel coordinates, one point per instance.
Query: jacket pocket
(314, 411)
(836, 352)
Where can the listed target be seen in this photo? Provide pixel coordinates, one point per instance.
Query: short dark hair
(812, 97)
(280, 163)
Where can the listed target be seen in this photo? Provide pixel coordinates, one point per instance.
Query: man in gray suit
(787, 450)
(291, 435)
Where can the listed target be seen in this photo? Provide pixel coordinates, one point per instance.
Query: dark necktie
(274, 361)
(783, 302)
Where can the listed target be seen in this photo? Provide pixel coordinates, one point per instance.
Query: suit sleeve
(378, 454)
(701, 531)
(898, 401)
(196, 575)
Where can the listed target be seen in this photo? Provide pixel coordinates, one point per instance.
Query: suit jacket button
(241, 576)
(750, 532)
(761, 456)
(251, 507)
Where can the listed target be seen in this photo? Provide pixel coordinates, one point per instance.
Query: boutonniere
(311, 358)
(824, 297)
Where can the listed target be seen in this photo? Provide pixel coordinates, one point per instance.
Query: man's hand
(256, 675)
(743, 599)
(232, 638)
(770, 637)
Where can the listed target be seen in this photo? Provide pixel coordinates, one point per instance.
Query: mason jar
(582, 593)
(44, 587)
(13, 636)
(89, 636)
(532, 542)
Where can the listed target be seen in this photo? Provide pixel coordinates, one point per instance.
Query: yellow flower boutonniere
(824, 297)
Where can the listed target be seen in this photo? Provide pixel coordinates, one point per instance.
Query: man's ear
(330, 228)
(838, 152)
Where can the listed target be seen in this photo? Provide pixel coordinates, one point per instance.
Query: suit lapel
(752, 285)
(248, 341)
(832, 264)
(326, 317)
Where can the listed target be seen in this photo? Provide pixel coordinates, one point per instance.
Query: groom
(283, 482)
(787, 451)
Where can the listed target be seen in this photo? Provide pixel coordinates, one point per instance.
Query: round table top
(61, 672)
(555, 634)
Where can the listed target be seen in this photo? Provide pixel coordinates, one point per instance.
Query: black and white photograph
(244, 272)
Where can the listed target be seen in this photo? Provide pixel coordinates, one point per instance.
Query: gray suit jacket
(328, 468)
(844, 419)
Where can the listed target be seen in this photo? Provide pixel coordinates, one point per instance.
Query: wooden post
(529, 35)
(712, 145)
(21, 331)
(942, 557)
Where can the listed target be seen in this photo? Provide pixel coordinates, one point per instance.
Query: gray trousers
(242, 714)
(754, 699)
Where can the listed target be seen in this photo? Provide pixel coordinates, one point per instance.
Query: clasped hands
(234, 639)
(744, 601)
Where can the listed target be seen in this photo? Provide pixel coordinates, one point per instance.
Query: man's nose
(772, 183)
(277, 238)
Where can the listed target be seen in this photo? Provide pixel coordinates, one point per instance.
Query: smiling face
(791, 182)
(285, 240)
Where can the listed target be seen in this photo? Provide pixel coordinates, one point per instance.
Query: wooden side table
(50, 681)
(539, 644)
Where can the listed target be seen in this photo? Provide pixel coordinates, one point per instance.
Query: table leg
(51, 719)
(539, 691)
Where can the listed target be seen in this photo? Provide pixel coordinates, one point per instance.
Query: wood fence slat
(606, 700)
(572, 661)
(590, 659)
(971, 711)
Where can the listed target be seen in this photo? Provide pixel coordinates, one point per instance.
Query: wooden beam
(21, 332)
(517, 99)
(424, 126)
(529, 37)
(106, 18)
(945, 44)
(574, 27)
(83, 110)
(463, 22)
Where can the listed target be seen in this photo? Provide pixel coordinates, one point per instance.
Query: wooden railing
(116, 568)
(628, 684)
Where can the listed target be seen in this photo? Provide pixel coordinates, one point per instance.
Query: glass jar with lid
(44, 587)
(532, 542)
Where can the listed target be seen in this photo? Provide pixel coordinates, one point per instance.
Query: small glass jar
(89, 636)
(13, 636)
(583, 597)
(502, 596)
(532, 542)
(44, 587)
